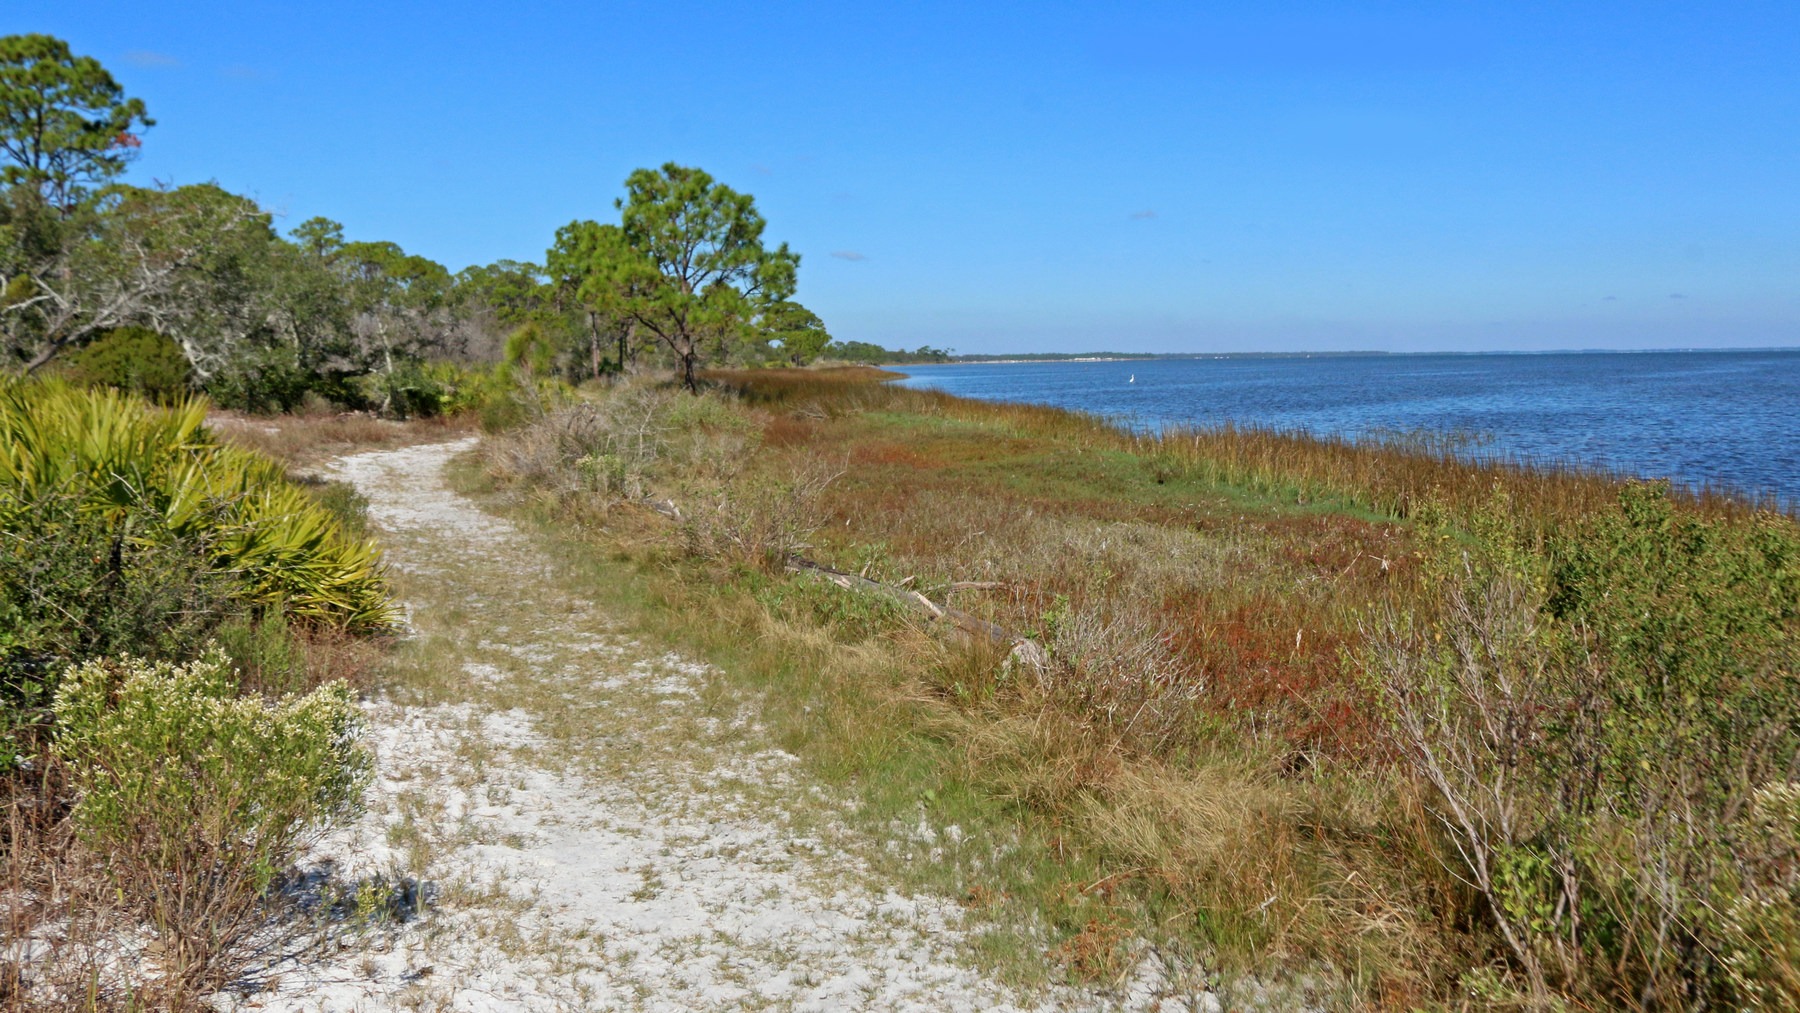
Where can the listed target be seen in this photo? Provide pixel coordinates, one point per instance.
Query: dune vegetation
(1414, 730)
(176, 619)
(1359, 725)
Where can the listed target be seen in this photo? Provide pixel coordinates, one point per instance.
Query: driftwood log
(1021, 649)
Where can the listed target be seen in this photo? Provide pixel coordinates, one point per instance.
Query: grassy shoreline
(1211, 761)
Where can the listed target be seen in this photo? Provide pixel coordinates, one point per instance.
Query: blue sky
(1060, 177)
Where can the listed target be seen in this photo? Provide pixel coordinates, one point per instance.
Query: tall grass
(1255, 644)
(1395, 475)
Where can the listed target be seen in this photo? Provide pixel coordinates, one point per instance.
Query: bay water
(1724, 419)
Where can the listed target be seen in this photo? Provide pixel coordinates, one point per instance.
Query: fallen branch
(1021, 648)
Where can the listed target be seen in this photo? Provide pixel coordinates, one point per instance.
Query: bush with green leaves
(272, 380)
(134, 359)
(129, 528)
(198, 798)
(417, 389)
(72, 587)
(1607, 718)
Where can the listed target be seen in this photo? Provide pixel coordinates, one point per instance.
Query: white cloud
(150, 58)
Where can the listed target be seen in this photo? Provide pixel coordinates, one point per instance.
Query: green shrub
(74, 585)
(134, 359)
(341, 500)
(199, 798)
(268, 381)
(116, 513)
(415, 389)
(850, 615)
(1598, 714)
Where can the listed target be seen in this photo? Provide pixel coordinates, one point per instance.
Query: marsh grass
(1206, 762)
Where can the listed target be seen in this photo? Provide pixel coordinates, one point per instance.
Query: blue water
(1724, 419)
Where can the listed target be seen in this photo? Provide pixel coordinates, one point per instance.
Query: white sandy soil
(564, 861)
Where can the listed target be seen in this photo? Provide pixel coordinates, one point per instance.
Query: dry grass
(1203, 761)
(309, 440)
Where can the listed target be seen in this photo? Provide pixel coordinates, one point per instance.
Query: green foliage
(268, 381)
(177, 747)
(690, 264)
(341, 500)
(72, 588)
(198, 798)
(386, 279)
(513, 291)
(849, 615)
(133, 359)
(137, 496)
(414, 389)
(318, 237)
(875, 355)
(529, 348)
(65, 124)
(800, 332)
(266, 652)
(1697, 622)
(1596, 710)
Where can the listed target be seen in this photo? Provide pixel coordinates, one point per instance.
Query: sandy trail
(599, 824)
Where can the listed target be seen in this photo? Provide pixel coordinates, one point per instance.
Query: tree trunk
(594, 344)
(688, 359)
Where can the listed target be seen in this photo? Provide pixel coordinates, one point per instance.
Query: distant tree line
(193, 286)
(875, 355)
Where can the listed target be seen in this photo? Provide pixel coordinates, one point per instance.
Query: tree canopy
(65, 125)
(693, 265)
(799, 331)
(683, 276)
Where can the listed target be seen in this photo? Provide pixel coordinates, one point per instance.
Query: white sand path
(572, 863)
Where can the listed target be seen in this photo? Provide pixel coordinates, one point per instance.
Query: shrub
(267, 381)
(134, 359)
(341, 500)
(198, 799)
(758, 521)
(636, 436)
(1596, 714)
(71, 587)
(120, 517)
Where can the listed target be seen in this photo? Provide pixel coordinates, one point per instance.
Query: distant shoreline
(1029, 358)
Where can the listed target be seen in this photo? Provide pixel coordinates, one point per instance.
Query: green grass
(1222, 583)
(858, 724)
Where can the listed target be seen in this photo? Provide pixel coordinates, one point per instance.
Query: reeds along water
(1220, 723)
(1394, 475)
(1396, 479)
